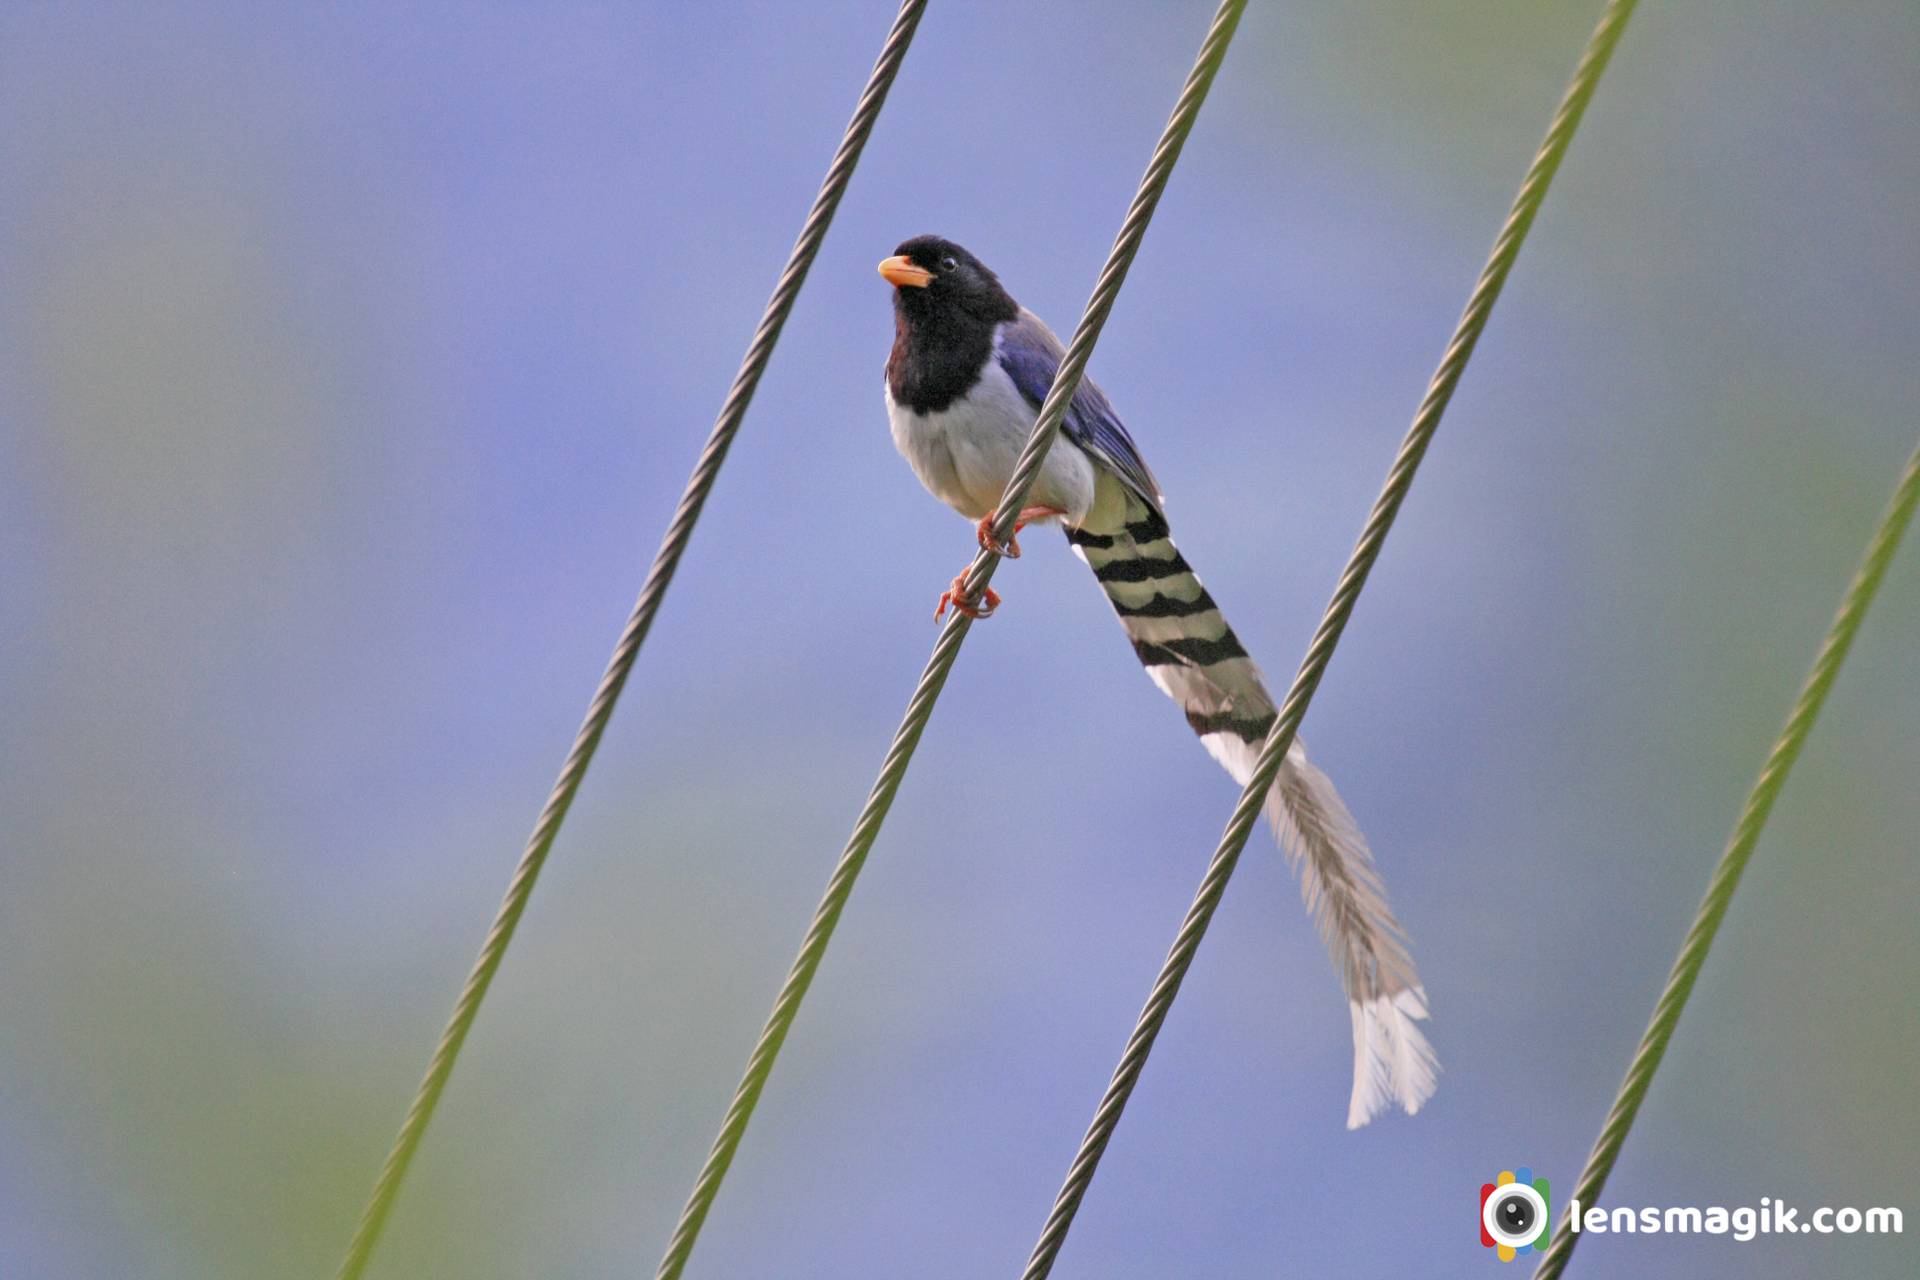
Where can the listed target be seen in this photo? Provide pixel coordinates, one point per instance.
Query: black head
(936, 279)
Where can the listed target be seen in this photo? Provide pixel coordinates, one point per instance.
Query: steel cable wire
(1733, 860)
(1473, 321)
(920, 707)
(706, 470)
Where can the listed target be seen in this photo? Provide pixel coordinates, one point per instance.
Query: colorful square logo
(1515, 1213)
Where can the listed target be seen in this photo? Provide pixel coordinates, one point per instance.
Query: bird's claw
(955, 597)
(1010, 548)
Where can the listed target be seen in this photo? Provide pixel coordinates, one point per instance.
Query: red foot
(1011, 548)
(955, 597)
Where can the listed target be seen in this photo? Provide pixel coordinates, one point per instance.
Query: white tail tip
(1392, 1061)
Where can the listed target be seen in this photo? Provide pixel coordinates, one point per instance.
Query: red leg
(955, 597)
(984, 532)
(1011, 550)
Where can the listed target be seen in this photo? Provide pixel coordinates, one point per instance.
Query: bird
(965, 379)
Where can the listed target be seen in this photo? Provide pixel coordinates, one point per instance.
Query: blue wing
(1030, 354)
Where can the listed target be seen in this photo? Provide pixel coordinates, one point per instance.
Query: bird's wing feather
(1030, 354)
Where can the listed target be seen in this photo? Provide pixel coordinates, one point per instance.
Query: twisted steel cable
(1733, 860)
(1426, 421)
(639, 622)
(947, 648)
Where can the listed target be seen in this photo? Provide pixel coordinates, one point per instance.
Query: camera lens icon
(1512, 1215)
(1515, 1213)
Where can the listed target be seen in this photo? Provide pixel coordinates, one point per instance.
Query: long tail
(1192, 654)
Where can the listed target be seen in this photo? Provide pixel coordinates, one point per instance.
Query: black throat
(939, 349)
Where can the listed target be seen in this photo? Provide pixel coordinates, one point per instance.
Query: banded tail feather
(1188, 649)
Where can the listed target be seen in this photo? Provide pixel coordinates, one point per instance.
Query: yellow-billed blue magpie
(964, 384)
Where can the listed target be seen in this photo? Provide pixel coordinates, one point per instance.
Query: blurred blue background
(351, 358)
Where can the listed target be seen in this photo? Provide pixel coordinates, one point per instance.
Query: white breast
(965, 454)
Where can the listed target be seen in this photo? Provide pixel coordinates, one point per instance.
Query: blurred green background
(351, 357)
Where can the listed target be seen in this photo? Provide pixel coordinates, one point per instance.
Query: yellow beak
(904, 273)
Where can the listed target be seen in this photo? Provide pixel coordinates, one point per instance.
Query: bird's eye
(949, 264)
